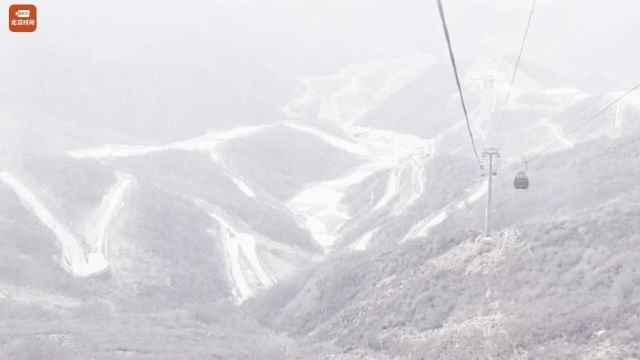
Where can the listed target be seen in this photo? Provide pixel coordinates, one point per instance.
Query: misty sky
(337, 31)
(105, 62)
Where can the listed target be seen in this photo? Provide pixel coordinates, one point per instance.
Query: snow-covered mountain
(247, 206)
(556, 281)
(332, 129)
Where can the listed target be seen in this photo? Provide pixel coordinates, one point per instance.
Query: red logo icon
(23, 18)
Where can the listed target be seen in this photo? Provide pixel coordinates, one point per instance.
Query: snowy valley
(248, 206)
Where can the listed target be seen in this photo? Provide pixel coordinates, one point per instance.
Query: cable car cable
(515, 70)
(455, 71)
(594, 116)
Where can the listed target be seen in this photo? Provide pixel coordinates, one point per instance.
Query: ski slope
(239, 246)
(244, 188)
(74, 259)
(424, 227)
(405, 185)
(343, 99)
(347, 145)
(112, 203)
(557, 133)
(205, 143)
(320, 205)
(362, 243)
(617, 121)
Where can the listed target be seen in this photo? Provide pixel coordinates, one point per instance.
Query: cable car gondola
(521, 181)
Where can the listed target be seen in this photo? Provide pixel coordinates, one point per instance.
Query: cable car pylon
(489, 155)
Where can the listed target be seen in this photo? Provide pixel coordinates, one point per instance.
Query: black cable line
(455, 71)
(530, 159)
(515, 70)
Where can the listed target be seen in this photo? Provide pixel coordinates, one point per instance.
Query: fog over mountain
(295, 180)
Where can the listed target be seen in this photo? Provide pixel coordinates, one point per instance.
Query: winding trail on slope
(112, 203)
(237, 244)
(320, 205)
(409, 175)
(362, 243)
(208, 143)
(617, 121)
(73, 259)
(424, 227)
(483, 113)
(205, 143)
(353, 94)
(340, 143)
(342, 99)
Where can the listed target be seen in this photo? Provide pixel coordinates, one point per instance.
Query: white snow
(617, 121)
(418, 181)
(565, 97)
(405, 185)
(424, 227)
(243, 186)
(557, 132)
(112, 203)
(485, 324)
(495, 252)
(340, 143)
(342, 99)
(362, 243)
(206, 143)
(73, 259)
(236, 245)
(24, 295)
(483, 114)
(346, 96)
(393, 187)
(320, 204)
(242, 290)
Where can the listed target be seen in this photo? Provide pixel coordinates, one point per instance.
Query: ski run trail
(112, 203)
(423, 228)
(240, 253)
(74, 259)
(206, 143)
(320, 204)
(239, 246)
(362, 243)
(342, 99)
